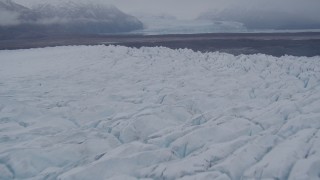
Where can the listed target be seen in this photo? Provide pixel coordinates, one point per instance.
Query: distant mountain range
(263, 19)
(18, 21)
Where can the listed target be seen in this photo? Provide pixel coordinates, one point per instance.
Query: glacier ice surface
(112, 112)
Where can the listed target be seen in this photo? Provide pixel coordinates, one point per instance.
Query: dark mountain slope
(69, 18)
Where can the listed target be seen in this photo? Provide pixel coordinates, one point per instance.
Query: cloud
(18, 21)
(188, 9)
(255, 14)
(270, 14)
(8, 18)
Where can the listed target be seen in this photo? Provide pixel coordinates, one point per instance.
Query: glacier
(166, 24)
(113, 112)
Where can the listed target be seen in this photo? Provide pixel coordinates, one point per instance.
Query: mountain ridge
(262, 19)
(68, 18)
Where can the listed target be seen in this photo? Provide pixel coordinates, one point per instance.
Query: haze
(190, 9)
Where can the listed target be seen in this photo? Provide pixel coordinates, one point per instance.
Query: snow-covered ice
(111, 112)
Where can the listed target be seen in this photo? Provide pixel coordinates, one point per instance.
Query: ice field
(112, 112)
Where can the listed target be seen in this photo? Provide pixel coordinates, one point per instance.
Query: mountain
(86, 18)
(13, 14)
(263, 19)
(22, 14)
(68, 18)
(11, 6)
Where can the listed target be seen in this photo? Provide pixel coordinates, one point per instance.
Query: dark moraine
(276, 44)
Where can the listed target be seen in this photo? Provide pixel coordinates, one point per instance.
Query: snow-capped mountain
(12, 13)
(87, 18)
(65, 18)
(11, 6)
(263, 18)
(76, 11)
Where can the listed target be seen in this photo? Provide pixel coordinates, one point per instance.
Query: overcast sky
(188, 9)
